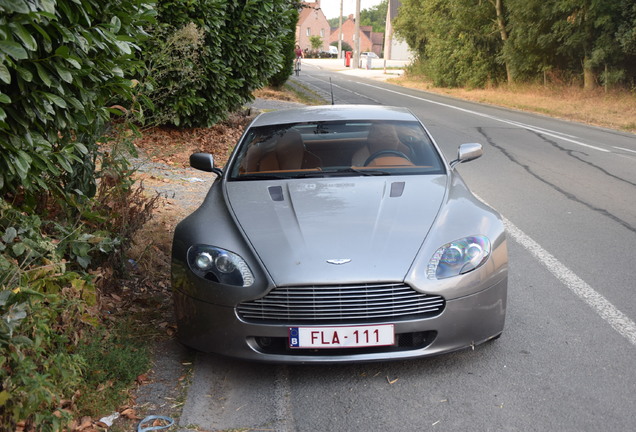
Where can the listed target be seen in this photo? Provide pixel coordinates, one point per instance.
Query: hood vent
(397, 188)
(276, 193)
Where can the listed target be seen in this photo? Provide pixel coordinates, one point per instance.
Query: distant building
(312, 22)
(394, 47)
(369, 40)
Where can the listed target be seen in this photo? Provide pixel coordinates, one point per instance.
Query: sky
(331, 8)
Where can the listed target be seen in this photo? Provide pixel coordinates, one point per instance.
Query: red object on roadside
(348, 58)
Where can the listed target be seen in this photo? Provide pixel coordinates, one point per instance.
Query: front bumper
(465, 322)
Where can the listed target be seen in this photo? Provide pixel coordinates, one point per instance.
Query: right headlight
(458, 257)
(219, 265)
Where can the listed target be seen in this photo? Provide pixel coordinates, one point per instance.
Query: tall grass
(615, 108)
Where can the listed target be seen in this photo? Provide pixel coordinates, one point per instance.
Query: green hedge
(244, 45)
(289, 45)
(63, 64)
(65, 69)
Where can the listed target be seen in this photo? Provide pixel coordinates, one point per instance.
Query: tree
(409, 24)
(316, 42)
(375, 16)
(503, 31)
(586, 31)
(532, 48)
(455, 40)
(574, 36)
(626, 34)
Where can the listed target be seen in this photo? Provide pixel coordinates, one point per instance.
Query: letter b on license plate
(341, 336)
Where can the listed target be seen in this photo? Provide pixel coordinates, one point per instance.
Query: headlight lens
(219, 265)
(459, 257)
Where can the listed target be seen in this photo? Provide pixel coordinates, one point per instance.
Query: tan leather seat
(381, 137)
(277, 154)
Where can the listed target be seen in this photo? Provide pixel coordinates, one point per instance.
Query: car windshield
(335, 148)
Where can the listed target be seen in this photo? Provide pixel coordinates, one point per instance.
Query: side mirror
(467, 152)
(204, 162)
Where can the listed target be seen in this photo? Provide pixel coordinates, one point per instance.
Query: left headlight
(458, 257)
(219, 265)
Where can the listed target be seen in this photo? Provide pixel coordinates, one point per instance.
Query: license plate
(341, 336)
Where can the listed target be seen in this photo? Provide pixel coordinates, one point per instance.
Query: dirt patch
(173, 147)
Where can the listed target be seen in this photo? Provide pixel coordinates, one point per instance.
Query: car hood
(337, 230)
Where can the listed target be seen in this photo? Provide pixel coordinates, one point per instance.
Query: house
(369, 40)
(312, 22)
(395, 48)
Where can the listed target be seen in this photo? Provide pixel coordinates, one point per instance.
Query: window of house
(308, 31)
(322, 32)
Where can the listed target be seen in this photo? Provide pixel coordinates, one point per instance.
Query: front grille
(341, 303)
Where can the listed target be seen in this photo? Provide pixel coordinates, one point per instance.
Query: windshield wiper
(312, 174)
(342, 171)
(364, 172)
(261, 177)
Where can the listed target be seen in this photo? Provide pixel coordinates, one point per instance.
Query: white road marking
(624, 149)
(553, 134)
(606, 310)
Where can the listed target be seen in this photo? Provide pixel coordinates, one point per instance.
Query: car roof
(334, 113)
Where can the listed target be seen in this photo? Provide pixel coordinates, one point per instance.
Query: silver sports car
(339, 234)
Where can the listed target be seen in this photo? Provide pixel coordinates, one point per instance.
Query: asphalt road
(566, 360)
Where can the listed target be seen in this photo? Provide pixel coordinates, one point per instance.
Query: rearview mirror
(467, 152)
(202, 162)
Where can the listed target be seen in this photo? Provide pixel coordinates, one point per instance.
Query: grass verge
(615, 109)
(302, 93)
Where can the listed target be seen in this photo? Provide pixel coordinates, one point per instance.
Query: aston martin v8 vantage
(339, 234)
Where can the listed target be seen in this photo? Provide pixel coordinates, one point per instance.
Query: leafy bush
(344, 45)
(289, 42)
(63, 65)
(244, 46)
(58, 361)
(173, 68)
(48, 310)
(39, 372)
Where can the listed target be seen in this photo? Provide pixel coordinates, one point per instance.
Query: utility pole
(340, 33)
(356, 34)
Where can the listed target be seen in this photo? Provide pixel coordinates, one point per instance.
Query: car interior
(332, 146)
